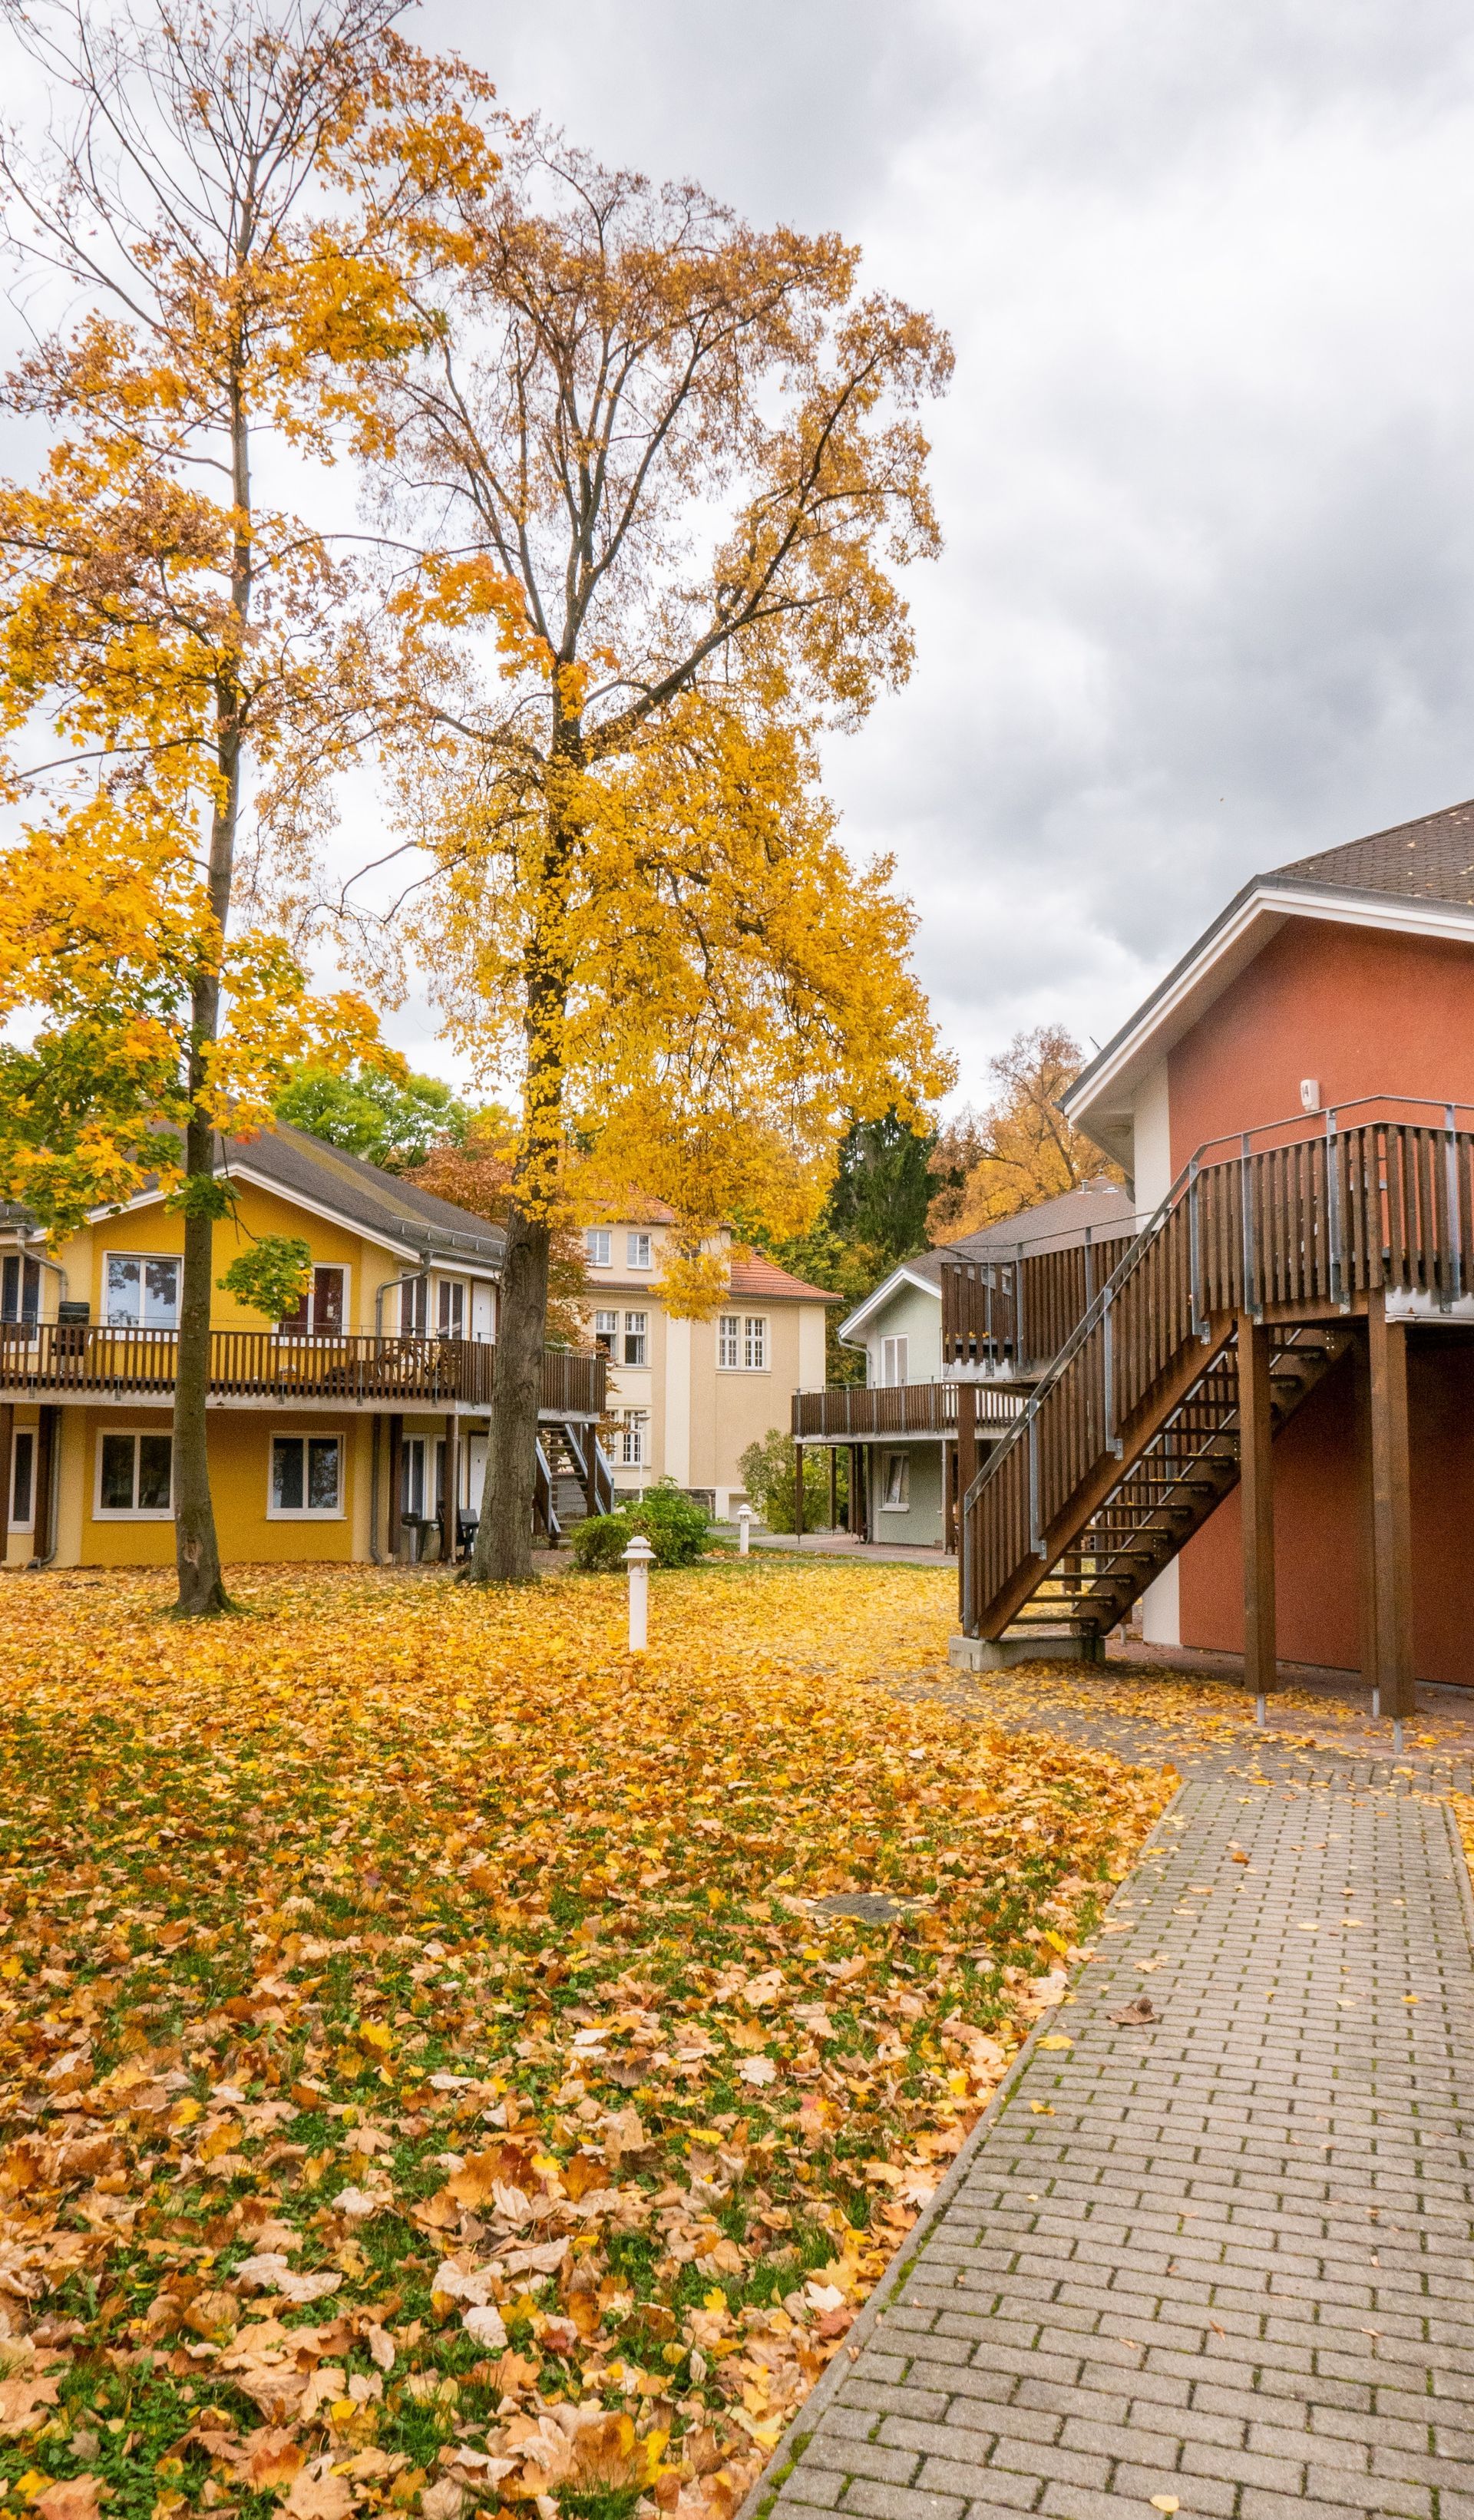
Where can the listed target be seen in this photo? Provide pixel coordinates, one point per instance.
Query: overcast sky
(1206, 472)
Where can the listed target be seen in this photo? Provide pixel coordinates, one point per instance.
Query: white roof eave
(1102, 1099)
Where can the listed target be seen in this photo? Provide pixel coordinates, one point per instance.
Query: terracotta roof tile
(762, 1277)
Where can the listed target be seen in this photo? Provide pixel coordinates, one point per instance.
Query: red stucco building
(1265, 1429)
(1353, 971)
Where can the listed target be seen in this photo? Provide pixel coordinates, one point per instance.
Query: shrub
(673, 1523)
(600, 1543)
(766, 1468)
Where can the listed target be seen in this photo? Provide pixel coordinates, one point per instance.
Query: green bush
(600, 1543)
(766, 1468)
(673, 1523)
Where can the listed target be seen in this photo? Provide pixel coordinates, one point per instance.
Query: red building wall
(1366, 1012)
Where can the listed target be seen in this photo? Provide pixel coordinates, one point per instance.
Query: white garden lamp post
(744, 1529)
(639, 1557)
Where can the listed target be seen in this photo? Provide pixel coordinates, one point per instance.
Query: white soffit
(1101, 1101)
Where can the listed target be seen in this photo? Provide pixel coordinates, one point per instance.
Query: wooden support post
(852, 1489)
(1391, 1512)
(396, 1482)
(798, 1496)
(834, 1487)
(589, 1437)
(7, 1451)
(1257, 1482)
(948, 1500)
(1366, 1550)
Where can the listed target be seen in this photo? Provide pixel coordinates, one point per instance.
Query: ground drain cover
(871, 1907)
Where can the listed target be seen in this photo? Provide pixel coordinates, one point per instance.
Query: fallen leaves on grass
(428, 2081)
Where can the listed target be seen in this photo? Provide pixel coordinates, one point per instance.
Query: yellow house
(688, 1397)
(356, 1429)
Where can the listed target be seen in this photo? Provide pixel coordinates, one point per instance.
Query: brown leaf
(74, 2497)
(319, 2498)
(1136, 2014)
(270, 2456)
(21, 2402)
(583, 2174)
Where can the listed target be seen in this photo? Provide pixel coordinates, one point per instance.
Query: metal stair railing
(1354, 1200)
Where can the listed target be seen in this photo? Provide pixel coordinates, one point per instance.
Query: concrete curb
(795, 2437)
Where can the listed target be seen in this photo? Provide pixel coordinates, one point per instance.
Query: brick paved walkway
(1226, 2259)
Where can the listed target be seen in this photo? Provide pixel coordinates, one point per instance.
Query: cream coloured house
(688, 1397)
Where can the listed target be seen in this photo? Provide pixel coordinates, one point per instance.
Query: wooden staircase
(1180, 1477)
(1131, 1439)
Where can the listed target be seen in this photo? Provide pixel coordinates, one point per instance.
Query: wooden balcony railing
(1304, 1227)
(47, 1359)
(1012, 1314)
(856, 1414)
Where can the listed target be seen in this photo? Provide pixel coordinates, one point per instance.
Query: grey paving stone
(1168, 2285)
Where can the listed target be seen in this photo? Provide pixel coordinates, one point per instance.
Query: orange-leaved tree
(1020, 1149)
(228, 207)
(668, 468)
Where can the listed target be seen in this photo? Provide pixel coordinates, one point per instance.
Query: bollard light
(639, 1557)
(744, 1530)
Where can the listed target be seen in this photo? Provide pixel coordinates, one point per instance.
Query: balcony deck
(863, 1414)
(76, 1362)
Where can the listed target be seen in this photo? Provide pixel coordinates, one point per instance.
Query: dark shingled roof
(385, 1204)
(1056, 1224)
(1429, 860)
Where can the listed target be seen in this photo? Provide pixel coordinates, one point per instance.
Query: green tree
(387, 1120)
(883, 1189)
(874, 1217)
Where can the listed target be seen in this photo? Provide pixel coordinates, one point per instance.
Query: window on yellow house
(637, 1338)
(606, 1332)
(320, 1314)
(306, 1477)
(135, 1476)
(23, 1480)
(141, 1292)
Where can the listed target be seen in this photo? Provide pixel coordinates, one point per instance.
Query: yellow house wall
(240, 1458)
(155, 1232)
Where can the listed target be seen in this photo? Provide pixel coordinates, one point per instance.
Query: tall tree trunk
(196, 1551)
(202, 1592)
(502, 1553)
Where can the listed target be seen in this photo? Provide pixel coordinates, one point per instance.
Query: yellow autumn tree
(1019, 1149)
(677, 467)
(227, 207)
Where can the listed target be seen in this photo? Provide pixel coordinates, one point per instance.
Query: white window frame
(634, 1432)
(306, 1512)
(127, 1512)
(27, 1277)
(897, 1471)
(311, 1333)
(598, 1245)
(637, 1325)
(895, 1360)
(143, 1260)
(728, 1342)
(414, 1306)
(414, 1454)
(450, 1309)
(606, 1327)
(23, 1522)
(637, 1251)
(757, 1345)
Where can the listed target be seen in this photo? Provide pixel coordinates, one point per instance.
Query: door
(476, 1472)
(482, 1314)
